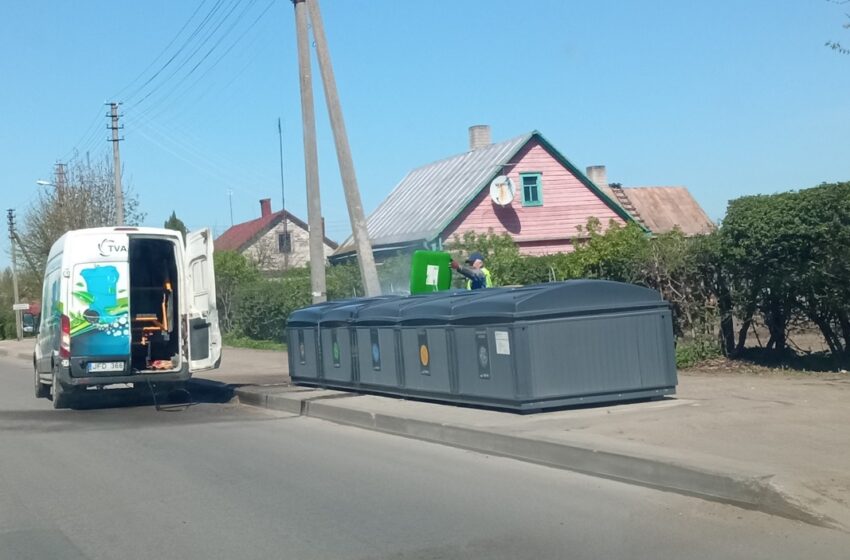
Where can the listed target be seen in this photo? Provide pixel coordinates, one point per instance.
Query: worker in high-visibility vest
(477, 275)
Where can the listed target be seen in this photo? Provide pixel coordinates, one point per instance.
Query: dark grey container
(330, 349)
(566, 343)
(303, 343)
(389, 361)
(530, 348)
(428, 346)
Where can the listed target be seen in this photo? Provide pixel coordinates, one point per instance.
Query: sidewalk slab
(639, 443)
(21, 349)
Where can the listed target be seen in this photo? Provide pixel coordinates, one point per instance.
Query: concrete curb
(746, 490)
(19, 355)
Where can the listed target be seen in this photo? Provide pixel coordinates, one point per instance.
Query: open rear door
(204, 333)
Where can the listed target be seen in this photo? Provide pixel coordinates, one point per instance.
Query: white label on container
(503, 343)
(432, 275)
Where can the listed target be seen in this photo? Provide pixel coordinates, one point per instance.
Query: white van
(125, 306)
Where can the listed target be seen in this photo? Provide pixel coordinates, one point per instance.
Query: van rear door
(204, 333)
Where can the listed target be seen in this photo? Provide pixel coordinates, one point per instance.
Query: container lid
(391, 311)
(573, 297)
(311, 315)
(441, 309)
(348, 311)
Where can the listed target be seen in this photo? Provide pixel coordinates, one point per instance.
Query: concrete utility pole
(311, 159)
(343, 152)
(19, 329)
(286, 238)
(60, 180)
(116, 164)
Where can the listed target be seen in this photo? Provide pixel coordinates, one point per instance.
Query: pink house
(551, 200)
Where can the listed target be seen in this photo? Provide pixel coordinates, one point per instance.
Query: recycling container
(381, 362)
(478, 373)
(430, 271)
(303, 341)
(524, 349)
(338, 346)
(564, 343)
(428, 347)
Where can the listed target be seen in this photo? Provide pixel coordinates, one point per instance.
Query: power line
(162, 52)
(205, 165)
(192, 54)
(151, 110)
(182, 47)
(188, 145)
(89, 131)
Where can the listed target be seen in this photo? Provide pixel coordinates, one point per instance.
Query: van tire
(42, 391)
(61, 394)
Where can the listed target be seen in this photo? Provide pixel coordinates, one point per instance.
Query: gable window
(284, 242)
(532, 189)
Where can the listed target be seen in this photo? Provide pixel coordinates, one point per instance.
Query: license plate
(94, 367)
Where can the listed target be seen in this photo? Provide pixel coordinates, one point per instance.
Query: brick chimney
(479, 136)
(265, 207)
(598, 175)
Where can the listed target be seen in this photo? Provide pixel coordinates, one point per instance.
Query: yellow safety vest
(488, 279)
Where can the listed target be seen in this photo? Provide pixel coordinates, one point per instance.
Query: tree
(232, 270)
(175, 223)
(87, 200)
(835, 45)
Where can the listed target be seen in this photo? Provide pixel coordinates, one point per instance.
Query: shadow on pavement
(195, 391)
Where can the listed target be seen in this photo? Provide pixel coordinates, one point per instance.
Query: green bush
(690, 353)
(245, 342)
(262, 306)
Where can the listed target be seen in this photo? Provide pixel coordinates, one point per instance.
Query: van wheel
(61, 394)
(42, 391)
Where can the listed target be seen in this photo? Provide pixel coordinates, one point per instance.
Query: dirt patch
(726, 366)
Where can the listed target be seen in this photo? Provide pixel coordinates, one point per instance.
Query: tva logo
(110, 247)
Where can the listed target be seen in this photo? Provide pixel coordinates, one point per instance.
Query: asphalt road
(224, 481)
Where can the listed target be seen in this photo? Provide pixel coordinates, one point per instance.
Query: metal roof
(428, 198)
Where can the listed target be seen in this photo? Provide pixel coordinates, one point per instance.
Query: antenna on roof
(230, 196)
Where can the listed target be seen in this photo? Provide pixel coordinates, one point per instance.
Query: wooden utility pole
(311, 159)
(116, 164)
(19, 331)
(343, 152)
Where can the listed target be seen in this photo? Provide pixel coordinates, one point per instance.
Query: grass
(694, 352)
(245, 342)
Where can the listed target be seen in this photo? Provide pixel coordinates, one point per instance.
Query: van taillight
(65, 338)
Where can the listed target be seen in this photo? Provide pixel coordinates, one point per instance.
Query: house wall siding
(549, 228)
(264, 251)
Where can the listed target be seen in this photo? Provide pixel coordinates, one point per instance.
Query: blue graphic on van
(102, 284)
(100, 322)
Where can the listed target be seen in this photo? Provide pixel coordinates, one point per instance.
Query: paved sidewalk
(775, 443)
(18, 349)
(239, 366)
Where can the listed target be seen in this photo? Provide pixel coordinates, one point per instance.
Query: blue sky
(727, 98)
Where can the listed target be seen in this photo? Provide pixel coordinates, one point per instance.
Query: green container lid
(430, 271)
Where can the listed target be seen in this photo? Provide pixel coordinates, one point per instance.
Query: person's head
(475, 260)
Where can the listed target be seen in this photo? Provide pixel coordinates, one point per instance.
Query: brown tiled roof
(240, 236)
(663, 208)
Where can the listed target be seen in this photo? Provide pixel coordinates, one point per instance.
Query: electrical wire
(193, 53)
(189, 147)
(85, 135)
(221, 177)
(174, 407)
(151, 111)
(162, 52)
(180, 50)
